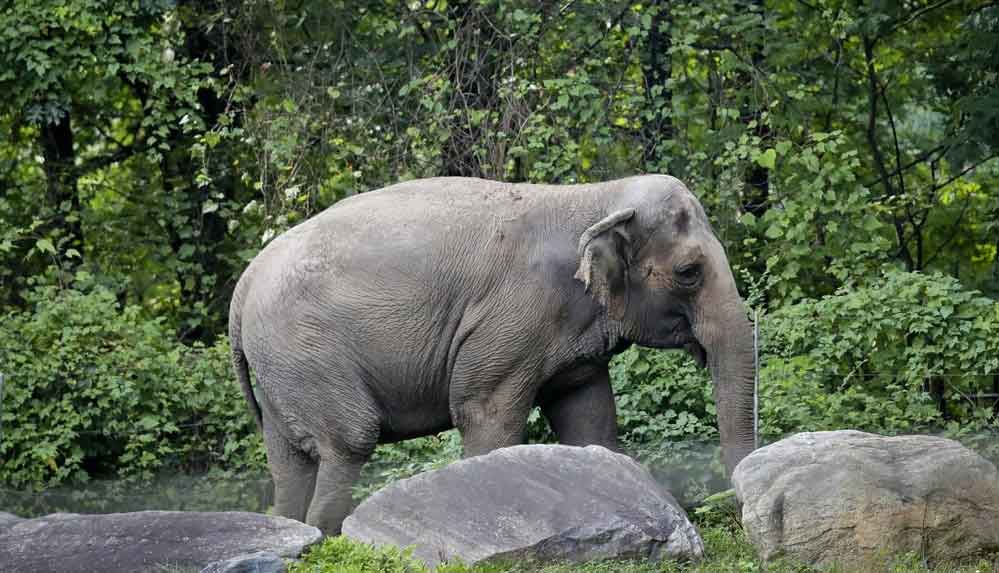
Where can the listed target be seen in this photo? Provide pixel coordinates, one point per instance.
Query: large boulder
(539, 503)
(850, 497)
(145, 540)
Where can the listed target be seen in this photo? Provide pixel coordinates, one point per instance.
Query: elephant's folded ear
(603, 261)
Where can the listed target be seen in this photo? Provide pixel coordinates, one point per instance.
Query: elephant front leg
(583, 413)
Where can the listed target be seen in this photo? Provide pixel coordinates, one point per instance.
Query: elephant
(464, 303)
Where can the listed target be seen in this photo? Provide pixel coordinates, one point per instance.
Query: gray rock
(538, 503)
(850, 497)
(8, 519)
(146, 540)
(260, 562)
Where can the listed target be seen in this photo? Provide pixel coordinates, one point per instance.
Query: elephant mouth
(679, 334)
(684, 338)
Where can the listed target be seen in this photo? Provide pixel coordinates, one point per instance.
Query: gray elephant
(456, 302)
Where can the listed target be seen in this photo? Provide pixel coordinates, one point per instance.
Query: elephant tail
(239, 363)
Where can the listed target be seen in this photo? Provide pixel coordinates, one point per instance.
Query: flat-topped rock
(540, 503)
(146, 540)
(849, 497)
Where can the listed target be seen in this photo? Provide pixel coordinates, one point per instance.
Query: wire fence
(1, 406)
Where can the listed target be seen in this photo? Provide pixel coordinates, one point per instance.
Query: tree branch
(872, 116)
(872, 141)
(926, 155)
(617, 20)
(964, 172)
(835, 94)
(894, 134)
(953, 231)
(100, 162)
(895, 26)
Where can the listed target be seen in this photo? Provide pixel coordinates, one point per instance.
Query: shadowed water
(184, 492)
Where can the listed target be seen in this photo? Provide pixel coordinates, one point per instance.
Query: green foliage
(867, 358)
(93, 388)
(393, 462)
(112, 107)
(54, 52)
(339, 554)
(826, 231)
(662, 396)
(667, 419)
(721, 509)
(159, 144)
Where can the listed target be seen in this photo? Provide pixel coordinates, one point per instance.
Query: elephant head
(656, 266)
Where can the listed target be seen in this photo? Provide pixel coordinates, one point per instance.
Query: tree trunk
(657, 71)
(473, 71)
(756, 200)
(63, 189)
(206, 279)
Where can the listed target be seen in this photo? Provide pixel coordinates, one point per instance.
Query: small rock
(259, 562)
(849, 497)
(146, 540)
(539, 503)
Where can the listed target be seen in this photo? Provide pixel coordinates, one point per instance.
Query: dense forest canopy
(149, 148)
(154, 146)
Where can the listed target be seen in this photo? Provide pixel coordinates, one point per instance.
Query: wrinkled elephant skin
(456, 302)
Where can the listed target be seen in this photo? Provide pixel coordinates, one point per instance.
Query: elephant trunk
(726, 335)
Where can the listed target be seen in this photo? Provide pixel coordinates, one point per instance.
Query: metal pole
(1, 407)
(756, 379)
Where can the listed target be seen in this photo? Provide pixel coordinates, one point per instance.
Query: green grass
(727, 551)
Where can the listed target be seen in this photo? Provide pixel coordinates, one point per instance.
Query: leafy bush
(662, 396)
(880, 358)
(721, 509)
(667, 419)
(95, 388)
(392, 462)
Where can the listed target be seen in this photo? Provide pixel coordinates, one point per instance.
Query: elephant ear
(603, 261)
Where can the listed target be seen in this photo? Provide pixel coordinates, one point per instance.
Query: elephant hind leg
(332, 501)
(294, 474)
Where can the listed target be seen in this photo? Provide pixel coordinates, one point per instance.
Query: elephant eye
(688, 274)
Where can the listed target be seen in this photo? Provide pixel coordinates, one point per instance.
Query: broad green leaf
(45, 245)
(767, 159)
